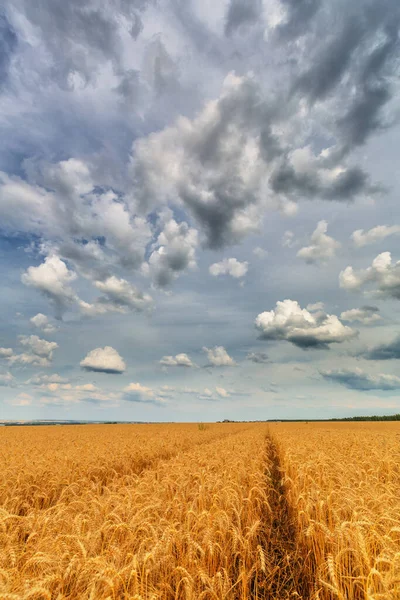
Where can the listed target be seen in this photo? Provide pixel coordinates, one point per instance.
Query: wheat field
(178, 511)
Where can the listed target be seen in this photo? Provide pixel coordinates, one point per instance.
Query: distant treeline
(373, 418)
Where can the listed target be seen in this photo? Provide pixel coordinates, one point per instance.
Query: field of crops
(226, 511)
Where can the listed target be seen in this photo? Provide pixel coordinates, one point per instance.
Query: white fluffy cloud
(135, 392)
(6, 352)
(218, 357)
(53, 279)
(104, 360)
(39, 352)
(376, 234)
(357, 379)
(383, 275)
(365, 315)
(179, 360)
(229, 266)
(302, 328)
(42, 322)
(322, 247)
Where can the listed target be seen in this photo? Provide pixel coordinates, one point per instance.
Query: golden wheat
(219, 512)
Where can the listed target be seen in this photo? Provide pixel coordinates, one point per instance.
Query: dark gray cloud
(81, 37)
(8, 43)
(241, 13)
(258, 357)
(299, 14)
(388, 351)
(357, 379)
(373, 88)
(358, 59)
(350, 183)
(328, 68)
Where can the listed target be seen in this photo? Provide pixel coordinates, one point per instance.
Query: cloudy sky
(199, 209)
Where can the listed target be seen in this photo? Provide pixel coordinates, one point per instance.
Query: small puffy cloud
(229, 266)
(322, 247)
(316, 306)
(45, 379)
(382, 274)
(6, 379)
(135, 392)
(38, 346)
(179, 360)
(288, 239)
(365, 315)
(6, 352)
(52, 278)
(103, 360)
(300, 327)
(39, 352)
(260, 252)
(376, 234)
(357, 379)
(386, 351)
(258, 357)
(218, 357)
(22, 400)
(222, 392)
(121, 293)
(212, 394)
(42, 322)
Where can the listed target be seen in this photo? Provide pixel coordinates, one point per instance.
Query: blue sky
(199, 209)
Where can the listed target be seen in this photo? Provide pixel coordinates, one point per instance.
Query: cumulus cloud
(52, 278)
(322, 248)
(39, 352)
(135, 392)
(45, 379)
(376, 234)
(258, 357)
(382, 274)
(229, 266)
(174, 251)
(228, 163)
(6, 352)
(357, 379)
(300, 327)
(218, 357)
(103, 360)
(42, 322)
(366, 315)
(180, 360)
(222, 392)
